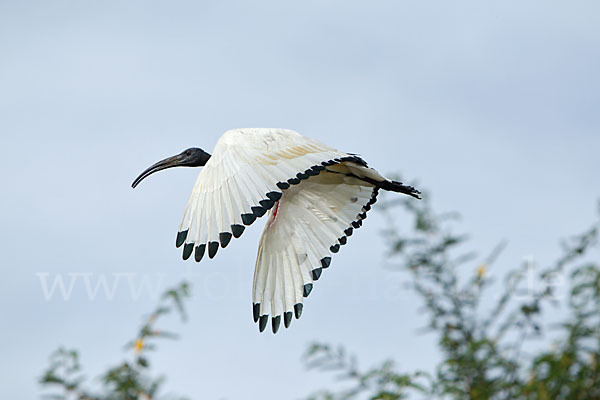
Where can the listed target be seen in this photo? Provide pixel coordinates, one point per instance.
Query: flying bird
(313, 195)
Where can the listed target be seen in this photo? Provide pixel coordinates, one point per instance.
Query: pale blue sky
(493, 106)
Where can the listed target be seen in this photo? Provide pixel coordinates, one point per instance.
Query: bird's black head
(192, 157)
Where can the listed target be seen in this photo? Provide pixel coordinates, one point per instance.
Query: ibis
(313, 197)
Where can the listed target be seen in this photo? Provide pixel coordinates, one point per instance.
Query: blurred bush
(130, 379)
(482, 345)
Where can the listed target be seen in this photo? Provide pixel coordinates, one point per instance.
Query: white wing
(309, 223)
(315, 196)
(245, 176)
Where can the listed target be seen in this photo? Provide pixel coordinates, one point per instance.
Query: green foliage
(131, 378)
(382, 380)
(482, 344)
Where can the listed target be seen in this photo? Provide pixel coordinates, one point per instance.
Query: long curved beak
(159, 166)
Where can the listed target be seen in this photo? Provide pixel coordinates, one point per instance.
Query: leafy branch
(128, 380)
(481, 344)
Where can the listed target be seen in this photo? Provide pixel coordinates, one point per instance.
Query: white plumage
(313, 196)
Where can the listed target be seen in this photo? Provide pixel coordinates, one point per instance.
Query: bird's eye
(187, 152)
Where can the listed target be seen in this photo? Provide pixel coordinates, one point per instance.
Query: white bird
(314, 197)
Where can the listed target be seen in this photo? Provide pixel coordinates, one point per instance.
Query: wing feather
(289, 290)
(245, 176)
(314, 197)
(297, 280)
(311, 221)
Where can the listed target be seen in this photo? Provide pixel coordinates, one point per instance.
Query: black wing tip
(275, 322)
(316, 170)
(237, 230)
(258, 211)
(298, 310)
(212, 249)
(287, 319)
(181, 236)
(274, 196)
(266, 204)
(248, 219)
(224, 238)
(199, 253)
(307, 289)
(187, 250)
(351, 158)
(316, 273)
(326, 262)
(262, 322)
(256, 311)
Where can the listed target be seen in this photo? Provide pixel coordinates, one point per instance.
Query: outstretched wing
(309, 223)
(245, 176)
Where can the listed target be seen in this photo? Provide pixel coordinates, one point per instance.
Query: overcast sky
(492, 106)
